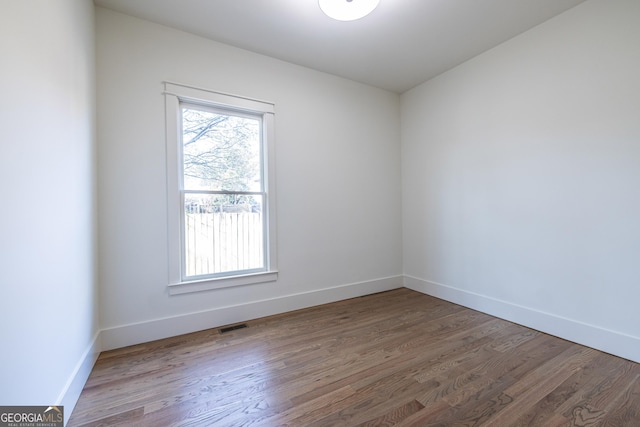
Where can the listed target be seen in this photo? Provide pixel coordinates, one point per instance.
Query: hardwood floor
(395, 358)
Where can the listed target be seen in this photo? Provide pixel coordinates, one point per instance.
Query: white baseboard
(71, 391)
(616, 343)
(613, 342)
(137, 333)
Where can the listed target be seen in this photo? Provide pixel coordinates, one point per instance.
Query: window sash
(263, 249)
(231, 112)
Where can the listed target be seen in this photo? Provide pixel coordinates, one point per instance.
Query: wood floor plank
(322, 406)
(541, 381)
(394, 416)
(476, 409)
(124, 418)
(398, 358)
(625, 412)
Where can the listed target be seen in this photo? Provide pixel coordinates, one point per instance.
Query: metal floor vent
(232, 328)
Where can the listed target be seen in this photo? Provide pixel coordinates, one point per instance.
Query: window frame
(175, 96)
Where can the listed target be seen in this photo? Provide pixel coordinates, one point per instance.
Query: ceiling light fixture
(347, 10)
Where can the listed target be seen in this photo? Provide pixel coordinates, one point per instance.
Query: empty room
(269, 213)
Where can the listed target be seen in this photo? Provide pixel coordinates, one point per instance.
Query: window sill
(222, 282)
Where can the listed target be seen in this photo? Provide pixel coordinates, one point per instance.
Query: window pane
(220, 151)
(223, 233)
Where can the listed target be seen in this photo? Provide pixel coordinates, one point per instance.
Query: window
(221, 193)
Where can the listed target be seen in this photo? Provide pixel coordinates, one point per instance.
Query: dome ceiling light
(347, 10)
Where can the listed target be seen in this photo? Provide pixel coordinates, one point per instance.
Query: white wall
(521, 178)
(48, 306)
(338, 181)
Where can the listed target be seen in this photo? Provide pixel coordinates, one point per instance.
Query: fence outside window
(218, 242)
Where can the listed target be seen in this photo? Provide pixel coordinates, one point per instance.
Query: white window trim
(174, 94)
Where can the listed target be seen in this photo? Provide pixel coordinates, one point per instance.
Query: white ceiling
(400, 45)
